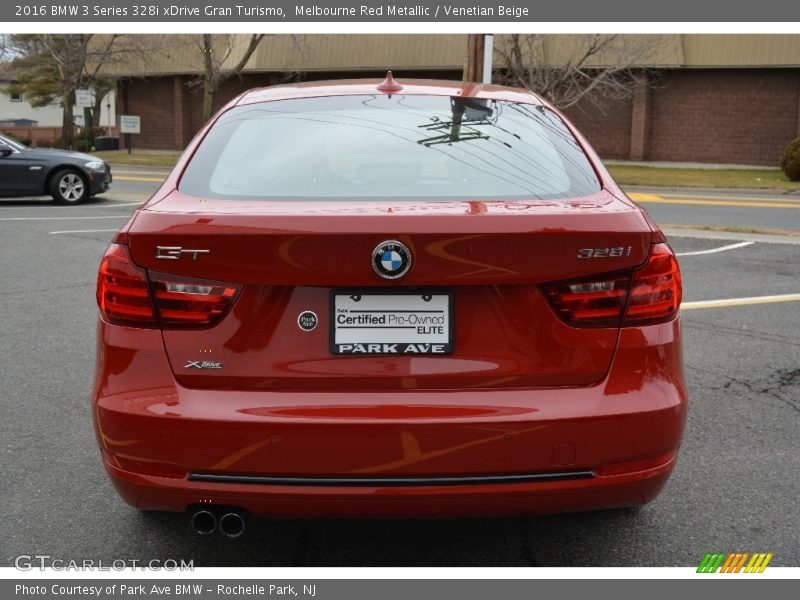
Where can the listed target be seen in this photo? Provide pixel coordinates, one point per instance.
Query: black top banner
(454, 11)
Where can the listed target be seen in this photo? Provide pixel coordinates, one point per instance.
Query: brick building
(702, 98)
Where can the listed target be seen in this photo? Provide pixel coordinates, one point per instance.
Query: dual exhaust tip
(230, 524)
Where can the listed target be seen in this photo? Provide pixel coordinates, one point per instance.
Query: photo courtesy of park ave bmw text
(397, 285)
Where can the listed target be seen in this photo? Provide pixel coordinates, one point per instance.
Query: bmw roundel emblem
(391, 259)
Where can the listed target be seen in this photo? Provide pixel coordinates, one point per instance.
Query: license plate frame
(380, 304)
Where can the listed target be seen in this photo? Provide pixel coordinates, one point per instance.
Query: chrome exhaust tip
(204, 522)
(231, 524)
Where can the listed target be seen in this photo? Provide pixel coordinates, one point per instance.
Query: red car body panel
(529, 415)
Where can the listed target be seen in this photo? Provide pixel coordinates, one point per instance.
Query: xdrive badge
(202, 364)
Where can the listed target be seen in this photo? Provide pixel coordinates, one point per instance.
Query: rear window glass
(368, 147)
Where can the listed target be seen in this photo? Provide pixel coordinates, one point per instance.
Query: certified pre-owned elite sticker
(396, 322)
(391, 259)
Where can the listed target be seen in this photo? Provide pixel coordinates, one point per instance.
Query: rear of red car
(432, 303)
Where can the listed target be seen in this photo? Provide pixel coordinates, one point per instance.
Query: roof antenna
(389, 84)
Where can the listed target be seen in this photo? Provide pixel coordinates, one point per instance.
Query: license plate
(391, 322)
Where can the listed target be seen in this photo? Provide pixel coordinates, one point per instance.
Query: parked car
(382, 299)
(69, 177)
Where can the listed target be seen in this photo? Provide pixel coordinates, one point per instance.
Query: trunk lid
(289, 256)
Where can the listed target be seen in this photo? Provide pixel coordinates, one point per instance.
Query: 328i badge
(434, 301)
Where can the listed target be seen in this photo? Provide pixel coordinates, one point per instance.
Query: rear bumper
(624, 432)
(630, 489)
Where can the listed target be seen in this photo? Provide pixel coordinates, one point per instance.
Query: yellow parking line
(654, 198)
(740, 301)
(129, 178)
(737, 198)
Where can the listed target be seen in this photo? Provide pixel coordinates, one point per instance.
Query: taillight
(656, 288)
(652, 294)
(126, 295)
(186, 302)
(122, 293)
(590, 303)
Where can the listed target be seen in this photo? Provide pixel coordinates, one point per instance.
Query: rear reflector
(635, 466)
(652, 295)
(126, 296)
(153, 469)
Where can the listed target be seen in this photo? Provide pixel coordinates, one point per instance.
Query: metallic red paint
(636, 413)
(525, 393)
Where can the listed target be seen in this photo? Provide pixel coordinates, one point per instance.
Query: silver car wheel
(71, 187)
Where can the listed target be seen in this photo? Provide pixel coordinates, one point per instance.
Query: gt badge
(391, 259)
(176, 252)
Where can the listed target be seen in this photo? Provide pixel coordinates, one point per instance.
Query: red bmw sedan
(357, 299)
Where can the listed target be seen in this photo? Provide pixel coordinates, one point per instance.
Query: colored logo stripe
(733, 562)
(711, 562)
(758, 563)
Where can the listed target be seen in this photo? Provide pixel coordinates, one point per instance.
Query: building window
(16, 97)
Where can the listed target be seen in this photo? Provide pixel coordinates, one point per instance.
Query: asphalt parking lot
(735, 487)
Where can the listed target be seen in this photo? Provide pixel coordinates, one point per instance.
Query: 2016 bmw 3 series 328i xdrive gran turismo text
(359, 298)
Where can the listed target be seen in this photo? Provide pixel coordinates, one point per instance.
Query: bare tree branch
(217, 50)
(587, 67)
(50, 67)
(255, 40)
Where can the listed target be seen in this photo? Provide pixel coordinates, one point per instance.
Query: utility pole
(488, 57)
(478, 61)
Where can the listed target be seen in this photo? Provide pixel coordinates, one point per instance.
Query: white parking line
(62, 218)
(713, 250)
(43, 205)
(82, 231)
(740, 301)
(31, 206)
(775, 237)
(115, 205)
